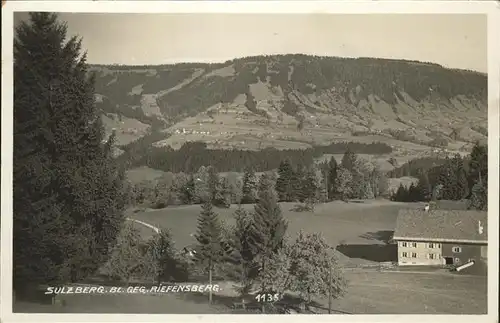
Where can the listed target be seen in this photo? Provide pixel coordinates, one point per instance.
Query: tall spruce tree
(249, 187)
(462, 184)
(68, 191)
(187, 191)
(401, 194)
(349, 160)
(284, 181)
(446, 179)
(223, 193)
(343, 184)
(309, 189)
(424, 187)
(296, 183)
(478, 165)
(203, 193)
(331, 178)
(242, 266)
(210, 250)
(268, 226)
(479, 197)
(213, 184)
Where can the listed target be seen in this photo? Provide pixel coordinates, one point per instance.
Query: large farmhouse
(441, 237)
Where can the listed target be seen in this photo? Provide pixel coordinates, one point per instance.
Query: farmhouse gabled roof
(442, 226)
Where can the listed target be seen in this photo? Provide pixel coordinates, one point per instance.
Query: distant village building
(441, 237)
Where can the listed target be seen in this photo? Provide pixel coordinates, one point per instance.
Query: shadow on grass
(371, 252)
(384, 236)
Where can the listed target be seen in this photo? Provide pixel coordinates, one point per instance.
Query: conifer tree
(366, 190)
(343, 184)
(349, 160)
(68, 190)
(210, 250)
(360, 178)
(462, 184)
(309, 189)
(201, 185)
(249, 187)
(223, 193)
(213, 183)
(284, 181)
(446, 179)
(378, 181)
(187, 194)
(479, 197)
(401, 194)
(321, 184)
(242, 266)
(478, 165)
(413, 195)
(268, 226)
(331, 177)
(424, 188)
(296, 184)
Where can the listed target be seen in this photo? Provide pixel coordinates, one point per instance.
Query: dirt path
(152, 227)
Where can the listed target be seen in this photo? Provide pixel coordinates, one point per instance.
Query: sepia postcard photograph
(292, 158)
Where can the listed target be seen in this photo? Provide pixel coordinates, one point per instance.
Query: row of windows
(429, 245)
(414, 255)
(414, 245)
(431, 256)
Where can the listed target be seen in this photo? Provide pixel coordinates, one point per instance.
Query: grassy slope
(341, 223)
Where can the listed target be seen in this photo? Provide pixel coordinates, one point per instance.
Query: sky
(455, 41)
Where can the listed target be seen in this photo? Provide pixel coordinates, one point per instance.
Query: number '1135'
(267, 297)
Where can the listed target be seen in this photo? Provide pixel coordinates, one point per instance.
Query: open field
(145, 173)
(360, 232)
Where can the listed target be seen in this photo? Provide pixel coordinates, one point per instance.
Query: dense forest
(192, 155)
(454, 178)
(414, 167)
(302, 181)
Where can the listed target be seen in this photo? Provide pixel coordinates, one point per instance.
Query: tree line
(192, 155)
(413, 167)
(455, 179)
(305, 184)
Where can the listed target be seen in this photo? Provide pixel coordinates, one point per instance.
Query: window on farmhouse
(414, 244)
(404, 244)
(404, 255)
(456, 250)
(414, 255)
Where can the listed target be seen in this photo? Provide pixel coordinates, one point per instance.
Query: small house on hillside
(441, 237)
